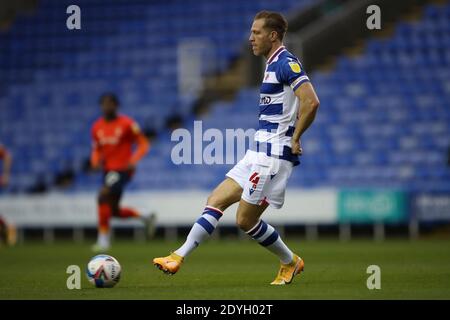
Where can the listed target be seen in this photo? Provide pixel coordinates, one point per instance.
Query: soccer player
(287, 107)
(114, 136)
(7, 163)
(7, 231)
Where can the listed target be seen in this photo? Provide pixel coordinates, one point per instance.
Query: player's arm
(96, 156)
(293, 74)
(7, 164)
(309, 103)
(142, 146)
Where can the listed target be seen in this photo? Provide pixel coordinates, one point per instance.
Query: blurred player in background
(114, 136)
(287, 107)
(6, 158)
(7, 230)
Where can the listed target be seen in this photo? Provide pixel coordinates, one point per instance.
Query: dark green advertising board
(368, 206)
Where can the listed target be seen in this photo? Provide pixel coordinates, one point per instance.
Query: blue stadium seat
(384, 120)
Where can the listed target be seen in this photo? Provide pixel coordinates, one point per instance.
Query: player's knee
(244, 223)
(216, 201)
(103, 195)
(102, 199)
(115, 211)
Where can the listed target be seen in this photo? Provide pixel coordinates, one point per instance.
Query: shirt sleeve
(141, 141)
(292, 73)
(134, 130)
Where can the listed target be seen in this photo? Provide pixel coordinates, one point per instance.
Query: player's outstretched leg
(266, 235)
(104, 209)
(290, 263)
(103, 236)
(149, 220)
(126, 213)
(150, 225)
(200, 231)
(227, 193)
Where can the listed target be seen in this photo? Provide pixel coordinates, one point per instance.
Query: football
(103, 271)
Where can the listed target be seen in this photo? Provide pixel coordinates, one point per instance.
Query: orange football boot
(170, 264)
(289, 271)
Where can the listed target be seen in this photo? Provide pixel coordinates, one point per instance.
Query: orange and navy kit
(113, 142)
(3, 154)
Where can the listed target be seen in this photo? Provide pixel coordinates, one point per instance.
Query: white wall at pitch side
(173, 208)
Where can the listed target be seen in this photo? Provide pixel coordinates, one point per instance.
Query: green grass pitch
(229, 269)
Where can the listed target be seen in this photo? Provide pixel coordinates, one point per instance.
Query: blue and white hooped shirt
(278, 105)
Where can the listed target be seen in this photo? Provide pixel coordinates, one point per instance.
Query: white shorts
(262, 178)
